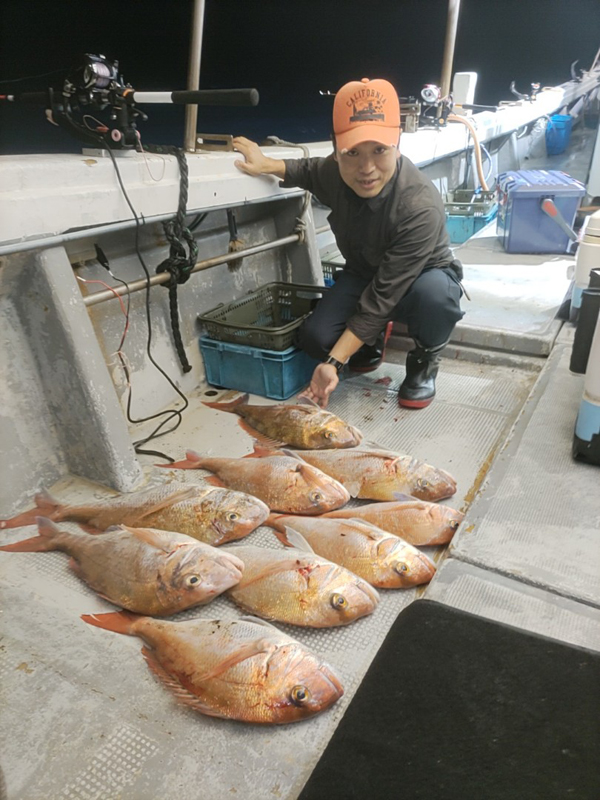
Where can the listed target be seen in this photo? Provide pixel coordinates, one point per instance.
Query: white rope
(301, 223)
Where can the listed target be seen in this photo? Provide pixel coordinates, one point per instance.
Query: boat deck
(101, 727)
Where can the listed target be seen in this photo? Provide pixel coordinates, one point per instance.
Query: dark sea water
(288, 50)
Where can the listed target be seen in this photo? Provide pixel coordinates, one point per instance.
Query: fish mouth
(331, 678)
(447, 484)
(352, 437)
(440, 486)
(370, 592)
(232, 565)
(365, 601)
(426, 568)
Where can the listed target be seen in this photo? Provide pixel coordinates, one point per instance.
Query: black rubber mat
(456, 707)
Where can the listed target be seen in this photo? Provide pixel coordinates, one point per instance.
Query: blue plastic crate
(277, 374)
(468, 211)
(461, 227)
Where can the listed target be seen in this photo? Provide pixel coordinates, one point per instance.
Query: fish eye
(454, 524)
(422, 483)
(401, 568)
(338, 601)
(316, 497)
(327, 434)
(300, 695)
(232, 516)
(192, 580)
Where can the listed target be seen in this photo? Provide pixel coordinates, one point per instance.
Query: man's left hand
(323, 382)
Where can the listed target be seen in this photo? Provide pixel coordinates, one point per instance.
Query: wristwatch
(337, 364)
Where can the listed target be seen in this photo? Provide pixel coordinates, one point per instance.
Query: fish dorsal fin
(114, 528)
(373, 532)
(293, 454)
(401, 497)
(191, 461)
(152, 537)
(389, 454)
(306, 401)
(297, 540)
(260, 451)
(178, 495)
(379, 449)
(47, 527)
(259, 621)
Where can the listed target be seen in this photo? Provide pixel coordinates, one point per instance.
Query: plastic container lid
(531, 180)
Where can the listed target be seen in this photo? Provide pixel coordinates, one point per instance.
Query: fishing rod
(97, 87)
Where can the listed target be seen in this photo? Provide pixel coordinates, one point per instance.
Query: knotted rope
(180, 262)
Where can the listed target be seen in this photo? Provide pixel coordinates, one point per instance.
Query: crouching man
(390, 225)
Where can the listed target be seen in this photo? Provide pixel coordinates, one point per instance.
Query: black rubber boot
(418, 387)
(369, 357)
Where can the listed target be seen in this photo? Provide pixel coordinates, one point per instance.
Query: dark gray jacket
(390, 238)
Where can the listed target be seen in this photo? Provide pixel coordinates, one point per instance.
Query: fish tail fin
(191, 461)
(37, 544)
(228, 406)
(116, 621)
(45, 506)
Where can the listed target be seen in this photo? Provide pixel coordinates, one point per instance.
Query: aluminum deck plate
(510, 602)
(100, 726)
(539, 519)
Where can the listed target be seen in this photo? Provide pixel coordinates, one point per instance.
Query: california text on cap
(366, 111)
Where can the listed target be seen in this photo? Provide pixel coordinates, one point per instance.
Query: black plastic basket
(267, 317)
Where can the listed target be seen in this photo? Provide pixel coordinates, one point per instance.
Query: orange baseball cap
(366, 111)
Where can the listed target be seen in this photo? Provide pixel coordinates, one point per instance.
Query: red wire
(119, 298)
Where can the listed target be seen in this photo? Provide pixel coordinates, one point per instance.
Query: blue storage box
(277, 374)
(522, 226)
(558, 133)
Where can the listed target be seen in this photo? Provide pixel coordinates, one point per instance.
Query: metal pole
(193, 83)
(163, 277)
(451, 26)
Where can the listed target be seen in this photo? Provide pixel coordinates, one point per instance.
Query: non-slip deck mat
(455, 707)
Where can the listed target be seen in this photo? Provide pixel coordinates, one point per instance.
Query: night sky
(287, 50)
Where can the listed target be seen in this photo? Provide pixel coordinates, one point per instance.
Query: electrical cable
(103, 261)
(143, 152)
(455, 118)
(485, 151)
(198, 220)
(172, 413)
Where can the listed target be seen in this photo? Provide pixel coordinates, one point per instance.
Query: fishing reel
(530, 98)
(437, 108)
(96, 88)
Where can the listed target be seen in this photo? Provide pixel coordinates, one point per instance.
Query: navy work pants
(430, 309)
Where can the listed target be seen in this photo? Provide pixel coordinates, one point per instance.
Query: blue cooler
(521, 225)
